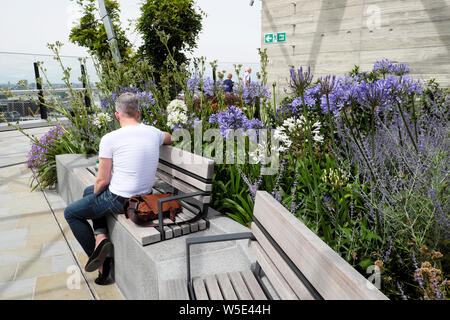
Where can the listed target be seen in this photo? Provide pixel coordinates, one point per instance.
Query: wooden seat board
(253, 285)
(186, 178)
(194, 163)
(294, 282)
(239, 286)
(199, 289)
(226, 287)
(212, 287)
(329, 273)
(273, 274)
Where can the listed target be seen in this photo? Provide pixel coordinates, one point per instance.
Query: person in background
(247, 76)
(128, 158)
(228, 83)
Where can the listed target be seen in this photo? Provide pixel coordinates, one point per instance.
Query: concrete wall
(332, 36)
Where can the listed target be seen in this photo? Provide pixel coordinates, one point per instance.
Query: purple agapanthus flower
(192, 83)
(337, 95)
(400, 69)
(375, 95)
(300, 80)
(210, 87)
(233, 118)
(384, 66)
(255, 90)
(146, 98)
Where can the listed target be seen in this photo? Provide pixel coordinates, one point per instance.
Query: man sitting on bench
(128, 159)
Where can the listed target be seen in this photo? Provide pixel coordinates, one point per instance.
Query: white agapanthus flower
(294, 125)
(315, 131)
(294, 130)
(176, 117)
(283, 139)
(101, 119)
(176, 113)
(259, 154)
(176, 105)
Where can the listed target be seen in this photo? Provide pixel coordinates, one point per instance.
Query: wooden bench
(297, 263)
(189, 177)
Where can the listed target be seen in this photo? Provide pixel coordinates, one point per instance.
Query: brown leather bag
(142, 209)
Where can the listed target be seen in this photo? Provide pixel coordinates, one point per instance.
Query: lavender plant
(405, 179)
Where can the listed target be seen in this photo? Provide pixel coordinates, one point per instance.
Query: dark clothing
(228, 85)
(95, 207)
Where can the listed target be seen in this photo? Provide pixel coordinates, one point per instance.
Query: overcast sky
(231, 33)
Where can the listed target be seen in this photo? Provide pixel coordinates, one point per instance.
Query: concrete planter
(141, 271)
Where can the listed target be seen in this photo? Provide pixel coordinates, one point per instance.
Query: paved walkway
(39, 256)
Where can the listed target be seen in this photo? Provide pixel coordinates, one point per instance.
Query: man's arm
(167, 138)
(103, 174)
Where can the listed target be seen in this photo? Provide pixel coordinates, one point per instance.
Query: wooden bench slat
(194, 163)
(184, 177)
(185, 216)
(199, 289)
(253, 285)
(202, 224)
(294, 282)
(226, 287)
(185, 228)
(182, 186)
(329, 273)
(239, 286)
(273, 274)
(168, 232)
(173, 289)
(176, 230)
(212, 287)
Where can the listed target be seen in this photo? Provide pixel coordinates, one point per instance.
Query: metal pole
(42, 107)
(87, 100)
(113, 46)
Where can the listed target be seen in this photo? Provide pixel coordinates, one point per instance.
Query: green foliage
(230, 194)
(178, 19)
(90, 31)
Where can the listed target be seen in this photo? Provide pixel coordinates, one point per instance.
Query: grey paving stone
(62, 262)
(10, 239)
(56, 248)
(19, 289)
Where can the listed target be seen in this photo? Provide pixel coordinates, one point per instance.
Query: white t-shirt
(247, 77)
(134, 151)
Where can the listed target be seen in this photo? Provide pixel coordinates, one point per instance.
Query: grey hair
(127, 103)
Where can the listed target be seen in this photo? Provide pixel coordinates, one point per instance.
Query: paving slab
(36, 258)
(15, 238)
(7, 272)
(17, 290)
(62, 286)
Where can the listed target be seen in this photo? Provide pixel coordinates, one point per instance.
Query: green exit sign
(275, 37)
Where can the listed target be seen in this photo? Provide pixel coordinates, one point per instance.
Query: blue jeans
(95, 207)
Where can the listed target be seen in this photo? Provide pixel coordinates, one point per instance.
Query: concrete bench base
(143, 272)
(147, 235)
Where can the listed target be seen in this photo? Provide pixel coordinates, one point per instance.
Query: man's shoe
(105, 277)
(104, 249)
